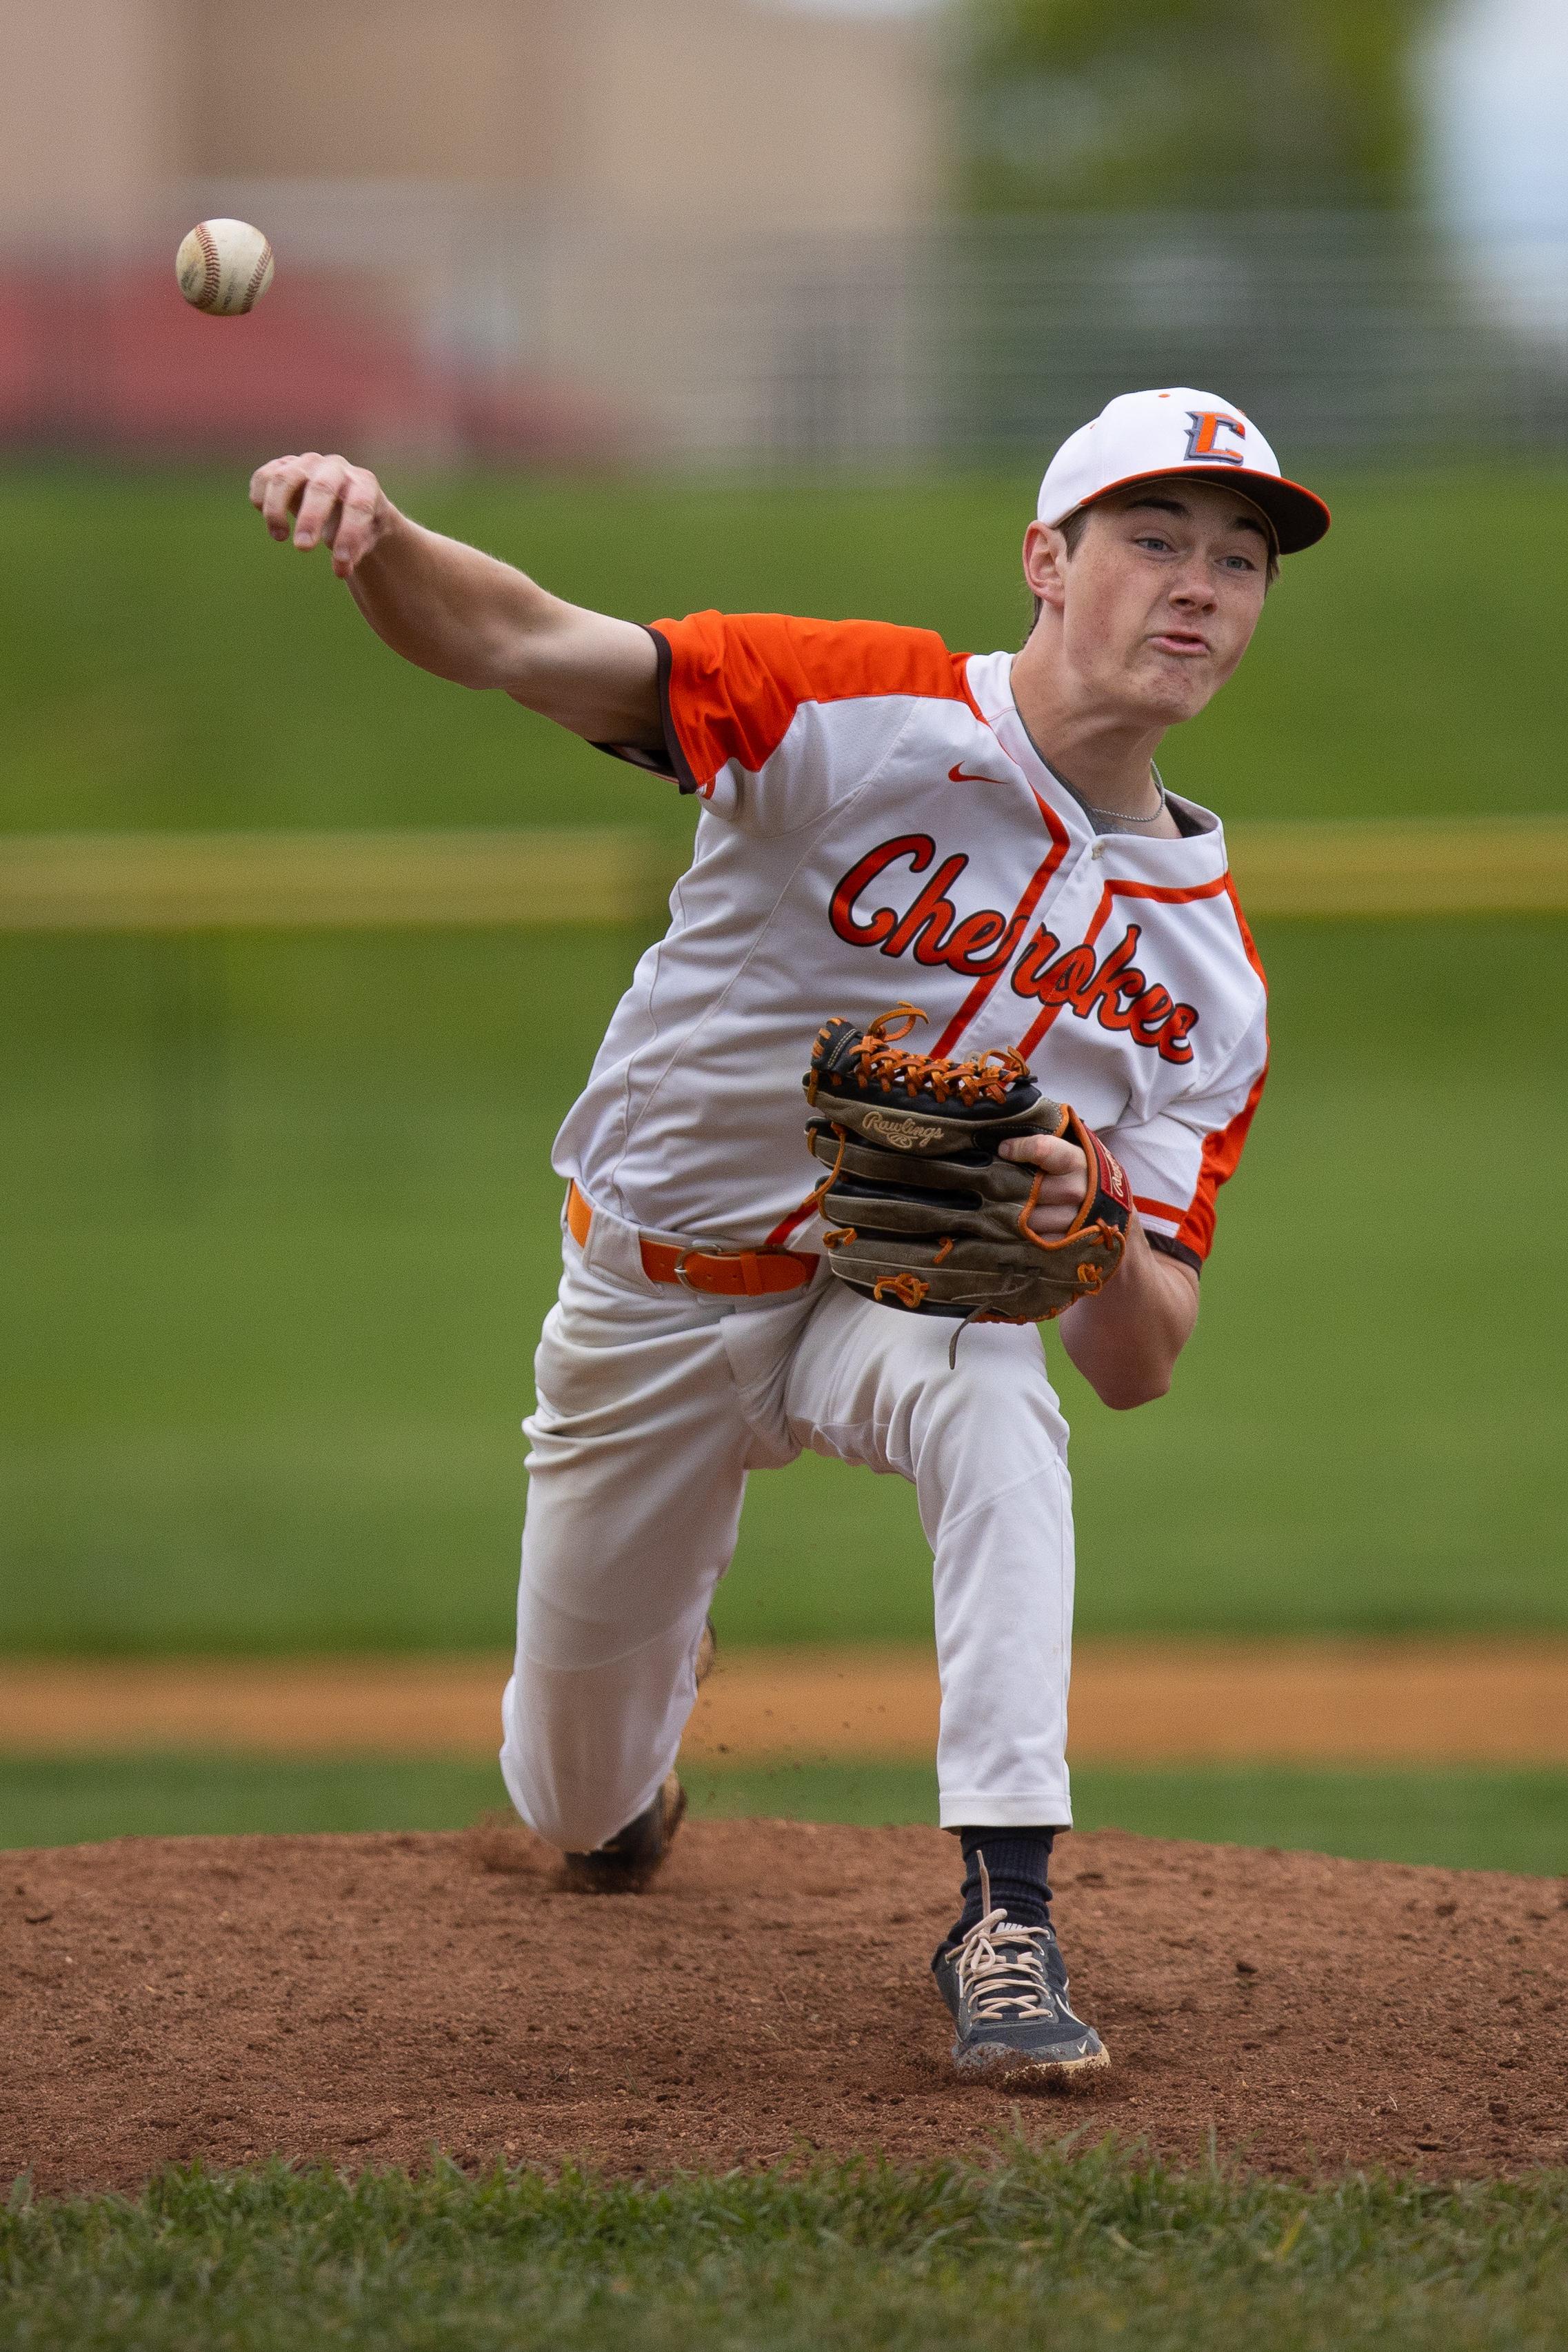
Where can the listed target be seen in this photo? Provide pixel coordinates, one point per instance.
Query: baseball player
(984, 842)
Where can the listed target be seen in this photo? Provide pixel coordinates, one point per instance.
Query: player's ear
(1046, 562)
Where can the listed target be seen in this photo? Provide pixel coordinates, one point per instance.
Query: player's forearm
(450, 609)
(1126, 1342)
(481, 623)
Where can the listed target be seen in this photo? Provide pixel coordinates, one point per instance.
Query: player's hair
(1073, 526)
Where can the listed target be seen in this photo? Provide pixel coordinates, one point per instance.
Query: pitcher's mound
(366, 1999)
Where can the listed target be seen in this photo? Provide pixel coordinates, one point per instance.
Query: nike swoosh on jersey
(960, 775)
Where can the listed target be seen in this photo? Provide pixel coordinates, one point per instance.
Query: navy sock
(1016, 1861)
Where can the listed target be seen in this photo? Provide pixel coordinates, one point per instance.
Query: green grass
(1040, 2247)
(278, 1224)
(1455, 1817)
(79, 1799)
(1401, 667)
(1460, 1818)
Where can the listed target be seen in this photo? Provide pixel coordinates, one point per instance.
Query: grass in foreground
(1039, 2247)
(1463, 1819)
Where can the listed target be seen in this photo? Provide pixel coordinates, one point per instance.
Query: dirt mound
(364, 1998)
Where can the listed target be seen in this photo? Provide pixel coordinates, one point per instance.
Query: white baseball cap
(1140, 434)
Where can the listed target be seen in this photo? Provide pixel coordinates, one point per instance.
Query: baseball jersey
(877, 826)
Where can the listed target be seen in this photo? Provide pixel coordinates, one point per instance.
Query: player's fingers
(1051, 1152)
(357, 525)
(1063, 1175)
(277, 489)
(262, 477)
(318, 507)
(1057, 1205)
(1050, 1222)
(1064, 1187)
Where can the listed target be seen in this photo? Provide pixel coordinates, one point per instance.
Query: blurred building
(745, 113)
(510, 223)
(716, 231)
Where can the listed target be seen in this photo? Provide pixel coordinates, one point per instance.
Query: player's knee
(997, 1401)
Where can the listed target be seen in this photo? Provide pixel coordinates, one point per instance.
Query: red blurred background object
(105, 357)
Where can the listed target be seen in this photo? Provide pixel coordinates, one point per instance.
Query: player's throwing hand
(328, 500)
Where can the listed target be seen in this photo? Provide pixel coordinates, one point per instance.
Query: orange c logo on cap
(1202, 441)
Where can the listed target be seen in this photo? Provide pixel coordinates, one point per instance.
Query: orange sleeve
(1222, 1148)
(732, 682)
(1222, 1153)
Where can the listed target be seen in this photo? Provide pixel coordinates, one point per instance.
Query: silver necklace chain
(1122, 815)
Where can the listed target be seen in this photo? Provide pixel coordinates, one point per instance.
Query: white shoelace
(1002, 1972)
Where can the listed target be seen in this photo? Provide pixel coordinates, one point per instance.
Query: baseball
(224, 266)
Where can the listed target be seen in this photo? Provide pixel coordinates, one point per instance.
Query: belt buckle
(680, 1274)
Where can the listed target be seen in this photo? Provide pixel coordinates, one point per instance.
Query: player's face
(1159, 601)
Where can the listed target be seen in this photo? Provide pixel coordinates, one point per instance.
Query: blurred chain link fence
(445, 325)
(1353, 335)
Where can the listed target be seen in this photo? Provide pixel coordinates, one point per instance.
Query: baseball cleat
(630, 1859)
(1006, 1989)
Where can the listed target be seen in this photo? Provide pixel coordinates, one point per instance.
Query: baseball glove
(928, 1218)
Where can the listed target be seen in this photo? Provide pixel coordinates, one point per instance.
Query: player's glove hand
(929, 1217)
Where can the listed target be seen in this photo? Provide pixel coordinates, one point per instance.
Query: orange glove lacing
(878, 1063)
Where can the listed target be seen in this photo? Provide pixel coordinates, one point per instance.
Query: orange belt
(722, 1273)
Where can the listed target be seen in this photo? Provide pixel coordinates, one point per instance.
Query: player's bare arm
(462, 615)
(1126, 1340)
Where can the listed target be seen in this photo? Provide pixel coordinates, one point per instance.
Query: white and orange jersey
(876, 825)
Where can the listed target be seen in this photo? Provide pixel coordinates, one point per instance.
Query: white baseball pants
(653, 1405)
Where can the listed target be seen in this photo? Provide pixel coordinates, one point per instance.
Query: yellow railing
(223, 881)
(330, 881)
(1402, 865)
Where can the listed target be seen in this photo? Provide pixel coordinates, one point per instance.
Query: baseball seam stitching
(212, 281)
(263, 264)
